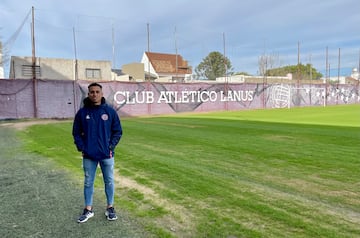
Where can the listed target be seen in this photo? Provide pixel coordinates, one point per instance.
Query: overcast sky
(242, 29)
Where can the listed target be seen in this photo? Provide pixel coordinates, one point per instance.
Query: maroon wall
(62, 98)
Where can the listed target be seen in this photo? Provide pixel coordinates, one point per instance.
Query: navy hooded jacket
(96, 130)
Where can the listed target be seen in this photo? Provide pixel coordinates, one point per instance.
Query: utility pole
(75, 54)
(33, 44)
(310, 70)
(226, 79)
(338, 81)
(176, 55)
(75, 72)
(298, 73)
(148, 84)
(326, 77)
(264, 65)
(225, 63)
(148, 50)
(358, 81)
(34, 63)
(113, 45)
(148, 37)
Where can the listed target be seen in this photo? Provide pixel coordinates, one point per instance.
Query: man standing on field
(96, 131)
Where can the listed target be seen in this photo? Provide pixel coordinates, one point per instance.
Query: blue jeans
(107, 169)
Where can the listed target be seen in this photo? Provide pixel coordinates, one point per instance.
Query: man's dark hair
(94, 84)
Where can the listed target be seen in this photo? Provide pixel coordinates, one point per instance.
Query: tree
(267, 62)
(305, 72)
(213, 66)
(242, 73)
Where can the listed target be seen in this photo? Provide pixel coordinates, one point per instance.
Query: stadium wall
(22, 98)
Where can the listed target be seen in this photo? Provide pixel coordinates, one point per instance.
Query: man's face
(95, 94)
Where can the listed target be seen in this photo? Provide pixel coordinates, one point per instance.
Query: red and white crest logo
(105, 117)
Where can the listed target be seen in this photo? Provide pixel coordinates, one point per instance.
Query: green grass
(40, 198)
(262, 173)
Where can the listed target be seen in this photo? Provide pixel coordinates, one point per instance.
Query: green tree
(213, 66)
(242, 73)
(305, 72)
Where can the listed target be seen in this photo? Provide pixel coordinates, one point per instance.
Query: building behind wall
(130, 72)
(162, 67)
(54, 69)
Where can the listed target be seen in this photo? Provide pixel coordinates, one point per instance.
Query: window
(27, 70)
(93, 73)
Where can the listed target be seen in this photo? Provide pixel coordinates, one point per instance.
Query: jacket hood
(87, 102)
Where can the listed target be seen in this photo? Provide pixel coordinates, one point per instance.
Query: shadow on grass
(40, 200)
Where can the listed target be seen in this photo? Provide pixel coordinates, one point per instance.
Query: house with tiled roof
(162, 67)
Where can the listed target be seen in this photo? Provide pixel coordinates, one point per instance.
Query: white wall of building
(148, 65)
(355, 73)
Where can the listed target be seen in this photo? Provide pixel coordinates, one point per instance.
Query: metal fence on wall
(62, 98)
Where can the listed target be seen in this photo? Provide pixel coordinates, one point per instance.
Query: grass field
(263, 173)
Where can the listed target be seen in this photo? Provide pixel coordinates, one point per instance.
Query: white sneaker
(85, 216)
(110, 214)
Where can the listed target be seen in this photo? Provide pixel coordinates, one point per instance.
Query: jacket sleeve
(78, 132)
(116, 131)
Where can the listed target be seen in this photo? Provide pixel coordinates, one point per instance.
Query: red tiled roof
(166, 63)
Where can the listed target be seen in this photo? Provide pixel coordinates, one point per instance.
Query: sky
(309, 31)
